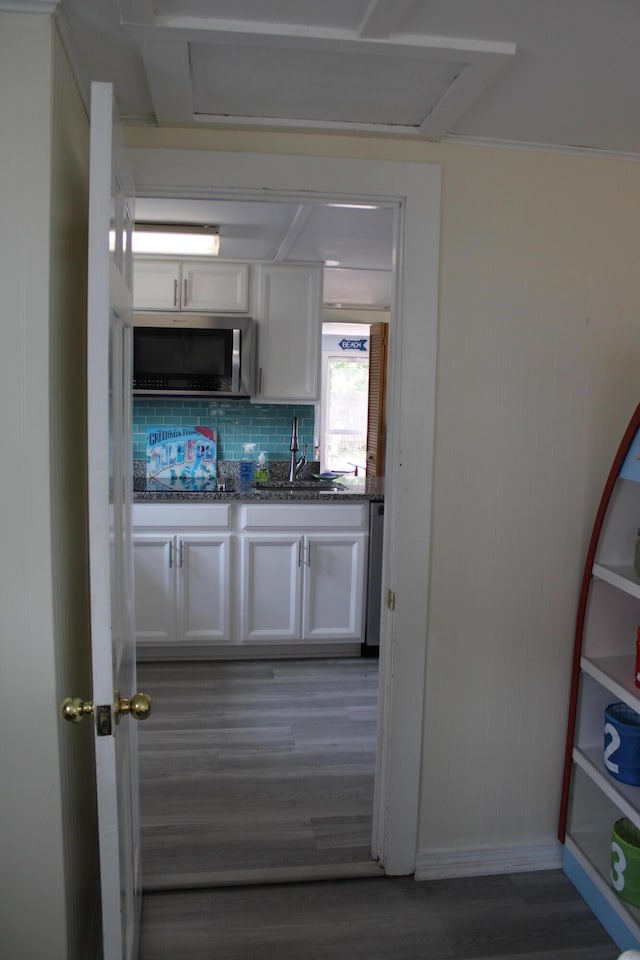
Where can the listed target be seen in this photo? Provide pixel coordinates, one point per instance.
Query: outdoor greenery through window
(345, 434)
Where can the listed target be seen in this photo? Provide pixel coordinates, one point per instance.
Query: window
(344, 403)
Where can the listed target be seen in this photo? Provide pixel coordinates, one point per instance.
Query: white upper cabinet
(156, 285)
(220, 287)
(288, 310)
(195, 286)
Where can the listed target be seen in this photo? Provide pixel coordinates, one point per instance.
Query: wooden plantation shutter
(377, 408)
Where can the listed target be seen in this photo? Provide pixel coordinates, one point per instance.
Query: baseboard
(484, 861)
(246, 651)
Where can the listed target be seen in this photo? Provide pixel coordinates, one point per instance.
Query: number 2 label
(611, 747)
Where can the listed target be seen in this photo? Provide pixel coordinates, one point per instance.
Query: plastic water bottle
(247, 468)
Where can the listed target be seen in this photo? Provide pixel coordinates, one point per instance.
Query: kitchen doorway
(412, 189)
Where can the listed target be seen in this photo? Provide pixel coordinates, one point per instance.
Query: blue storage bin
(622, 743)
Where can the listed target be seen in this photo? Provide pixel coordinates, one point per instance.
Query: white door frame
(414, 189)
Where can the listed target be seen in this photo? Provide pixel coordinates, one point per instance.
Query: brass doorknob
(74, 709)
(139, 706)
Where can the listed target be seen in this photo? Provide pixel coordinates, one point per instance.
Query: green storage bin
(625, 861)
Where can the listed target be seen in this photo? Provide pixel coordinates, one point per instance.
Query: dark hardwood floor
(257, 771)
(535, 916)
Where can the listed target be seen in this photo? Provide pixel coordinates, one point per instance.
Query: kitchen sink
(316, 486)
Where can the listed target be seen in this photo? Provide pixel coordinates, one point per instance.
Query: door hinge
(391, 600)
(103, 720)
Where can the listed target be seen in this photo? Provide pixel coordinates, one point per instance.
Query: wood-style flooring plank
(252, 769)
(519, 917)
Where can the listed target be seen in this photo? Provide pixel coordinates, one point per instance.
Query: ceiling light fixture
(176, 238)
(354, 206)
(332, 263)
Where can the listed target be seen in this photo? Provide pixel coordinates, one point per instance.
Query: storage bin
(622, 743)
(625, 861)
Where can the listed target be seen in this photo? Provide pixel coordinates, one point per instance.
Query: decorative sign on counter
(182, 459)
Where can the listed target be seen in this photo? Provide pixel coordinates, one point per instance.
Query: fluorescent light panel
(176, 238)
(354, 206)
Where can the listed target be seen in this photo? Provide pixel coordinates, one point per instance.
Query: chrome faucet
(296, 465)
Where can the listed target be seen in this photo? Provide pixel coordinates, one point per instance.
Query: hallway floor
(535, 916)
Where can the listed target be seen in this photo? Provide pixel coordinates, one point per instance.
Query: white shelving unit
(604, 666)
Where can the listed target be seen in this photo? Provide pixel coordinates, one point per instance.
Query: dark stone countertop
(355, 488)
(350, 488)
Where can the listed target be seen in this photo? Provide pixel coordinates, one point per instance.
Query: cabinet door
(154, 587)
(204, 606)
(219, 287)
(288, 311)
(156, 285)
(334, 582)
(271, 587)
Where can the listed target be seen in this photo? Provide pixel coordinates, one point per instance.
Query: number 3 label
(617, 867)
(611, 747)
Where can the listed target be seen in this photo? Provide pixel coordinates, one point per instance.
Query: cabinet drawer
(305, 516)
(180, 515)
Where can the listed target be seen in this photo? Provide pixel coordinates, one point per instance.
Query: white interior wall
(539, 348)
(49, 878)
(31, 838)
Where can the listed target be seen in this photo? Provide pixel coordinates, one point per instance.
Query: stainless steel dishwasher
(371, 645)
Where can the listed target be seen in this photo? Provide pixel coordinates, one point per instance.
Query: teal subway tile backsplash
(238, 422)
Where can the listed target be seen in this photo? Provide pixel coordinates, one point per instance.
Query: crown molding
(529, 146)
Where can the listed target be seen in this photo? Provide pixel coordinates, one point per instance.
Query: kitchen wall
(538, 353)
(268, 425)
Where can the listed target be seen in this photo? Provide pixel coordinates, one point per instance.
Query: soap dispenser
(262, 470)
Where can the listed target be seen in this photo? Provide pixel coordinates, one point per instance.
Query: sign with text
(182, 458)
(353, 343)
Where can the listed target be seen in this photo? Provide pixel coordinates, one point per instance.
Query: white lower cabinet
(182, 588)
(257, 573)
(182, 574)
(302, 587)
(154, 588)
(271, 582)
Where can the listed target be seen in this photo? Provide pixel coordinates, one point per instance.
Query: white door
(110, 553)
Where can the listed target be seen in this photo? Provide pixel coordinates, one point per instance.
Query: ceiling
(556, 73)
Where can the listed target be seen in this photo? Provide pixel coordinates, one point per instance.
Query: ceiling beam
(381, 17)
(467, 86)
(294, 230)
(169, 76)
(288, 36)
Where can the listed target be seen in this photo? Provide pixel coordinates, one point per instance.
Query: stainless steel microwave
(194, 356)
